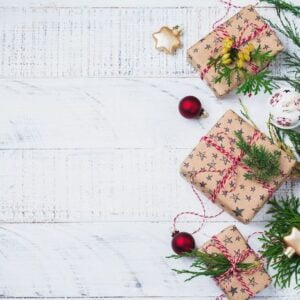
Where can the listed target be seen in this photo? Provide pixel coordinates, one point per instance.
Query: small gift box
(245, 32)
(216, 167)
(237, 283)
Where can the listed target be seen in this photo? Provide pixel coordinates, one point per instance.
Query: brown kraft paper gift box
(211, 45)
(211, 167)
(232, 284)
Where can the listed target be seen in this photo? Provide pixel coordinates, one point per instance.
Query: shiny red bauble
(190, 107)
(182, 242)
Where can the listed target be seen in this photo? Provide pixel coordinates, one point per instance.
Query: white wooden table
(91, 142)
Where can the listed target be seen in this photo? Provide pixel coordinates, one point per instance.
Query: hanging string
(228, 5)
(203, 216)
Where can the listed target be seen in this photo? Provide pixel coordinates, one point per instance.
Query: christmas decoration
(236, 53)
(182, 242)
(217, 166)
(288, 28)
(167, 39)
(264, 164)
(284, 107)
(293, 242)
(231, 262)
(278, 136)
(190, 107)
(282, 234)
(283, 5)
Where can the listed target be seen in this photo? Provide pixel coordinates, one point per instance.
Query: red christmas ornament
(190, 107)
(182, 242)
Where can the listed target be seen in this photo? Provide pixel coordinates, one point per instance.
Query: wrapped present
(237, 284)
(244, 32)
(216, 167)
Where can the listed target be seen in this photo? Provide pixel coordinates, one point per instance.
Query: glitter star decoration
(167, 39)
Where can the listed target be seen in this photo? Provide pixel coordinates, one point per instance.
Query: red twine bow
(236, 161)
(234, 260)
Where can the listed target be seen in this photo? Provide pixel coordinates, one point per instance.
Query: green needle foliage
(292, 135)
(263, 163)
(254, 83)
(284, 5)
(261, 58)
(206, 264)
(285, 215)
(288, 28)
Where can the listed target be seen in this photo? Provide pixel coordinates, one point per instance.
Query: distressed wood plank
(77, 150)
(109, 113)
(75, 162)
(101, 260)
(69, 42)
(109, 184)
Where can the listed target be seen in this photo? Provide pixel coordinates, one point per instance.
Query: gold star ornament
(293, 242)
(167, 39)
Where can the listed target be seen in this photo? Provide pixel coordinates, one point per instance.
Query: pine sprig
(285, 215)
(261, 58)
(292, 62)
(286, 6)
(205, 264)
(254, 83)
(292, 135)
(288, 28)
(263, 163)
(226, 73)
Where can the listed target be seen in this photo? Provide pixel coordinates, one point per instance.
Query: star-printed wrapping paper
(243, 23)
(213, 169)
(239, 285)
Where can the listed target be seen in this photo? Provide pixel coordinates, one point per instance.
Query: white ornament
(167, 39)
(284, 107)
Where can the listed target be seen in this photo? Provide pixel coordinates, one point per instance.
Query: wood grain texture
(100, 42)
(113, 260)
(90, 135)
(72, 150)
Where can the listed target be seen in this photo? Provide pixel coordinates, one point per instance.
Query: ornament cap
(177, 30)
(289, 252)
(293, 242)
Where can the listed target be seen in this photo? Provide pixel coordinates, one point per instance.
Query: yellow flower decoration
(228, 43)
(244, 55)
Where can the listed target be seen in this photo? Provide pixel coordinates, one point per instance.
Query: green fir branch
(254, 83)
(293, 82)
(205, 264)
(292, 62)
(261, 58)
(225, 73)
(285, 215)
(285, 6)
(287, 28)
(292, 135)
(263, 163)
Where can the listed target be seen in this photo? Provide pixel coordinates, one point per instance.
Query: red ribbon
(234, 270)
(236, 161)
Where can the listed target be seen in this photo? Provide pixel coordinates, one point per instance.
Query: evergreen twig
(285, 215)
(254, 83)
(284, 5)
(244, 111)
(205, 264)
(263, 163)
(292, 135)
